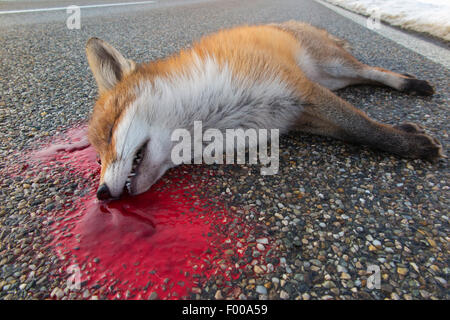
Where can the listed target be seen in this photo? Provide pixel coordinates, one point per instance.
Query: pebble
(218, 295)
(376, 243)
(86, 294)
(57, 293)
(341, 269)
(345, 276)
(153, 296)
(261, 290)
(262, 241)
(257, 269)
(260, 247)
(284, 295)
(402, 271)
(442, 281)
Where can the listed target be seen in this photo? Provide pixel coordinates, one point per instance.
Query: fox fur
(263, 77)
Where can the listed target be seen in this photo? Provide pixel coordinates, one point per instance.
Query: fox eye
(99, 161)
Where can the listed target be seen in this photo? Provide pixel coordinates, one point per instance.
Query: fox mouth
(137, 161)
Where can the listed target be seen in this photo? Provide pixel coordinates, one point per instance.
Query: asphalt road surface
(333, 210)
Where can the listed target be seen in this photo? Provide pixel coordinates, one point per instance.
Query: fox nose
(103, 192)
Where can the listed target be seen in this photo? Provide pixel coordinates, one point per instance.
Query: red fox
(268, 76)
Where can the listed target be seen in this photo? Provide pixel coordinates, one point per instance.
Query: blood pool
(159, 244)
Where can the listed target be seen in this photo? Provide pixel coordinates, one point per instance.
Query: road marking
(427, 49)
(81, 7)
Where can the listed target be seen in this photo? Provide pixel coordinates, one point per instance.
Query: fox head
(134, 152)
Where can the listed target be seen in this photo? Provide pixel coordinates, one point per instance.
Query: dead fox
(269, 76)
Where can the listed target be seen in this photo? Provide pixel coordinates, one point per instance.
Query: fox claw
(410, 127)
(418, 87)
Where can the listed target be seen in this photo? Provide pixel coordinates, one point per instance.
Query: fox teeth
(137, 159)
(128, 186)
(136, 162)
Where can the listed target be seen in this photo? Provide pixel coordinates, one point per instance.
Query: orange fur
(254, 52)
(107, 114)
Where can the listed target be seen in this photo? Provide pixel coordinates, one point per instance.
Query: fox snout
(103, 192)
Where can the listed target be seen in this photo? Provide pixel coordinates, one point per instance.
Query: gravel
(332, 212)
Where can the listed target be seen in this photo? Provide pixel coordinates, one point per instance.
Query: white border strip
(427, 49)
(81, 7)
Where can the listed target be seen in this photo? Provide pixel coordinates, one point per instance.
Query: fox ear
(107, 64)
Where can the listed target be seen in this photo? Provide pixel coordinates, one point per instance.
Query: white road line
(427, 49)
(81, 7)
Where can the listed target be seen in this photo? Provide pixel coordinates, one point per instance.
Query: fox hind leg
(327, 114)
(401, 82)
(326, 59)
(342, 70)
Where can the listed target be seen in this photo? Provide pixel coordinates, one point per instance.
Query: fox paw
(426, 147)
(410, 127)
(418, 87)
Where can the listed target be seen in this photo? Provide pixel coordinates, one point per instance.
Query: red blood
(156, 232)
(166, 240)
